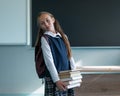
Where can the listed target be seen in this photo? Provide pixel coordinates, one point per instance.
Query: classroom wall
(17, 69)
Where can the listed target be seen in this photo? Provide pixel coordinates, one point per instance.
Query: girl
(56, 52)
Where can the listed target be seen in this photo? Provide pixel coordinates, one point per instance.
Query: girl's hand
(61, 86)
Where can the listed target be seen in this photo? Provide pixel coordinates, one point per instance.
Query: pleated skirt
(51, 89)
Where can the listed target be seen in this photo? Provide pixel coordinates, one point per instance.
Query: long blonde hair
(57, 28)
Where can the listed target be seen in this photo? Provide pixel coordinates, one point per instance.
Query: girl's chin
(48, 29)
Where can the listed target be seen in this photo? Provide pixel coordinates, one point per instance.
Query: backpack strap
(46, 37)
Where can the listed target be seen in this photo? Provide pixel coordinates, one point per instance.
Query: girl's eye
(42, 23)
(47, 20)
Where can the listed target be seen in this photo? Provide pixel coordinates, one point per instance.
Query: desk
(99, 68)
(99, 84)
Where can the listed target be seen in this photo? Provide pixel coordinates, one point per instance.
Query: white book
(69, 72)
(69, 75)
(73, 85)
(73, 81)
(71, 78)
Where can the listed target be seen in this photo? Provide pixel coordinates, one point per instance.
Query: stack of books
(72, 78)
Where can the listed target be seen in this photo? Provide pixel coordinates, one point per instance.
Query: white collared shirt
(49, 58)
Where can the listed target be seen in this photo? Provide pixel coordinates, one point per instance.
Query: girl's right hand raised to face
(61, 86)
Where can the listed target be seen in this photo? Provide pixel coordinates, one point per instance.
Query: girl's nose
(46, 24)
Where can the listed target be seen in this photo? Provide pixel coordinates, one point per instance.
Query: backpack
(39, 60)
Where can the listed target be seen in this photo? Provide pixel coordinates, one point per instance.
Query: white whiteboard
(13, 30)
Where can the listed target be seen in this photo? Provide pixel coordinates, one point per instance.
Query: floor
(99, 85)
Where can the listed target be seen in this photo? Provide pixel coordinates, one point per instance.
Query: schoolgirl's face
(47, 22)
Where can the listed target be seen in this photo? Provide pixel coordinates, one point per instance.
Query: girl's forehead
(44, 16)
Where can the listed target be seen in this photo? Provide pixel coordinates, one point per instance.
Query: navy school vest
(59, 53)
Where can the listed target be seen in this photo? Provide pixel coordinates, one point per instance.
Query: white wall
(97, 56)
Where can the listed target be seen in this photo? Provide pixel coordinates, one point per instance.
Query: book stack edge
(72, 78)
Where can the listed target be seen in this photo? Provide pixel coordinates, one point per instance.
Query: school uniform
(56, 60)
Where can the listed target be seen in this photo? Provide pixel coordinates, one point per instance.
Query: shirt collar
(52, 34)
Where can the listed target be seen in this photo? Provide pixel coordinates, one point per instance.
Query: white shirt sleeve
(49, 60)
(72, 63)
